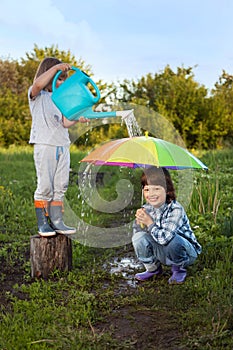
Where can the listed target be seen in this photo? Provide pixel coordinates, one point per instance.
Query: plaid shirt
(169, 220)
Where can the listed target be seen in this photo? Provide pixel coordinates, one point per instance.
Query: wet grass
(98, 305)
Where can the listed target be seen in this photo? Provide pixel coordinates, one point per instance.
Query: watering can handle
(95, 98)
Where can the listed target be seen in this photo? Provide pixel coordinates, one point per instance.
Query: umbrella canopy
(143, 151)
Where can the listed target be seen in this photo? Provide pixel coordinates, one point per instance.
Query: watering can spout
(90, 114)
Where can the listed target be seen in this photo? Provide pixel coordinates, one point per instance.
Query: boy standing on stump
(50, 137)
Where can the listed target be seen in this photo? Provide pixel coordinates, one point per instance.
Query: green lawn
(92, 308)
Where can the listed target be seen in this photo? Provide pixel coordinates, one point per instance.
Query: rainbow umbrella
(143, 151)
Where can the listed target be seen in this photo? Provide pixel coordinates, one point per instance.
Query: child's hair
(160, 177)
(45, 65)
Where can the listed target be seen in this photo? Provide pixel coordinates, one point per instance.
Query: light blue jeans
(179, 251)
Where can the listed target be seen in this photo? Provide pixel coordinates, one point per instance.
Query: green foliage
(95, 136)
(203, 121)
(211, 204)
(222, 111)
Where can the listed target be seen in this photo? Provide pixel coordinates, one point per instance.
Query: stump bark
(48, 254)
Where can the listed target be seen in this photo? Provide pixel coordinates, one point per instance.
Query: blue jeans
(179, 251)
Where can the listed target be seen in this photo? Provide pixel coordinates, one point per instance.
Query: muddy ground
(137, 327)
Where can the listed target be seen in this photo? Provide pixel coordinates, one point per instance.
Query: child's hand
(64, 67)
(83, 120)
(142, 218)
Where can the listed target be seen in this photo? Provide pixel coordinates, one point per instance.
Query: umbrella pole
(142, 198)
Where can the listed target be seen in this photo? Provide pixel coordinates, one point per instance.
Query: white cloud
(124, 38)
(41, 22)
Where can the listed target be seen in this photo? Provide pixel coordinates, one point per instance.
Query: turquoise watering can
(74, 99)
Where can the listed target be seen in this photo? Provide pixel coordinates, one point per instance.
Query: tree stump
(48, 254)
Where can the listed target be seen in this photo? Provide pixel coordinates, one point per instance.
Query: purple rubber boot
(178, 275)
(144, 276)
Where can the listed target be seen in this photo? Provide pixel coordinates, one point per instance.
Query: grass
(76, 310)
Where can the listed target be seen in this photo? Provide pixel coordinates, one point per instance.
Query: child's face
(61, 80)
(155, 195)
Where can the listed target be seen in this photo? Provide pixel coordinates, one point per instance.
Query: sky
(125, 39)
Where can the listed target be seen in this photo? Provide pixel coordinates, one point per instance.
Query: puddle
(126, 267)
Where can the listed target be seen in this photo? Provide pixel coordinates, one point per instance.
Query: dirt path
(142, 329)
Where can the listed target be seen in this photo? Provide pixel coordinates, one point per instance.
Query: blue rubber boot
(144, 276)
(178, 275)
(56, 217)
(44, 229)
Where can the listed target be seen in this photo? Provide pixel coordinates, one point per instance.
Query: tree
(221, 118)
(14, 116)
(177, 96)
